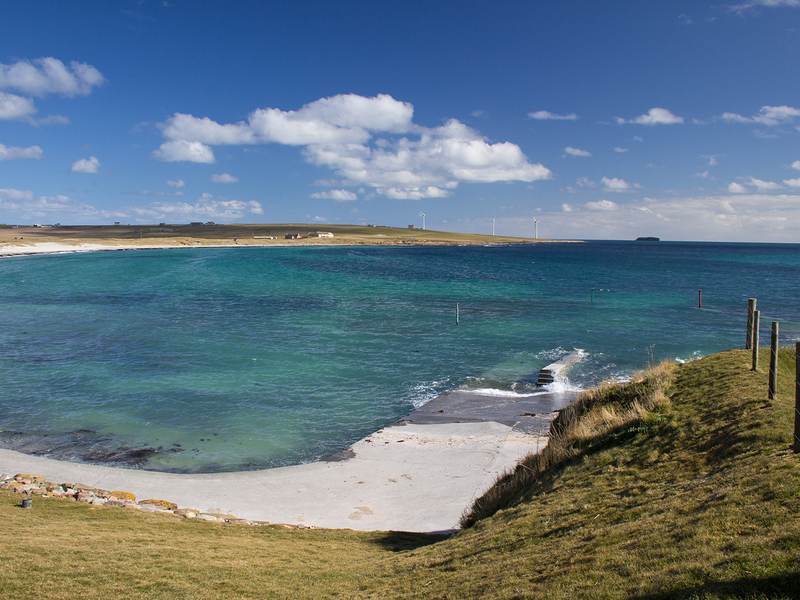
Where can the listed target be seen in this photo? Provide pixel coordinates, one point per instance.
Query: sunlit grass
(680, 485)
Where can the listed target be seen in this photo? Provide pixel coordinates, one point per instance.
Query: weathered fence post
(751, 308)
(756, 324)
(796, 398)
(773, 361)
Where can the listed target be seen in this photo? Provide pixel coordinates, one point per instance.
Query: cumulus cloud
(176, 184)
(792, 182)
(736, 188)
(15, 152)
(182, 150)
(224, 178)
(337, 195)
(796, 165)
(769, 116)
(543, 115)
(576, 152)
(86, 165)
(15, 108)
(406, 161)
(602, 205)
(43, 76)
(655, 116)
(618, 185)
(620, 149)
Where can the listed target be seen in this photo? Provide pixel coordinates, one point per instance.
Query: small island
(648, 239)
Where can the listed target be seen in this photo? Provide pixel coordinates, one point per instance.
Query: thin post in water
(773, 362)
(699, 298)
(756, 324)
(457, 315)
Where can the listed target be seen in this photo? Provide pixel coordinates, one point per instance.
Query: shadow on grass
(400, 541)
(781, 586)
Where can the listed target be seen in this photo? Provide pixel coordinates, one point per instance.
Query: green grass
(697, 498)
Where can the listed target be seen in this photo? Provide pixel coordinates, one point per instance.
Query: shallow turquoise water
(244, 358)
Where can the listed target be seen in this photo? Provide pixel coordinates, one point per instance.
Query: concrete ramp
(549, 373)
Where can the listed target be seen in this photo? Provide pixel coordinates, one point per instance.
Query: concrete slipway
(418, 474)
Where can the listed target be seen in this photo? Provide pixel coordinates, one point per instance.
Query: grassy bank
(246, 234)
(680, 485)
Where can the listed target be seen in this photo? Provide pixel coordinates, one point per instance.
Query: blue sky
(601, 120)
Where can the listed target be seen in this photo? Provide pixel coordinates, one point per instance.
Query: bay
(221, 359)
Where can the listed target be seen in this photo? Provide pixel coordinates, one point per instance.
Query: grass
(679, 485)
(242, 234)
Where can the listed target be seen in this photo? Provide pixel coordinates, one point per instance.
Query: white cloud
(53, 120)
(655, 116)
(620, 149)
(566, 207)
(15, 152)
(543, 115)
(618, 185)
(741, 8)
(176, 184)
(792, 182)
(704, 174)
(86, 165)
(13, 107)
(712, 160)
(182, 150)
(337, 133)
(337, 195)
(763, 186)
(742, 217)
(25, 204)
(796, 165)
(737, 188)
(576, 152)
(585, 182)
(768, 115)
(205, 208)
(43, 76)
(602, 205)
(224, 178)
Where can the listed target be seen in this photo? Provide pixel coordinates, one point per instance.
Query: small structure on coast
(320, 234)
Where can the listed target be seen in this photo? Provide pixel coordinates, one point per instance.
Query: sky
(563, 119)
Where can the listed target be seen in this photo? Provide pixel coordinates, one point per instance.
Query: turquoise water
(204, 360)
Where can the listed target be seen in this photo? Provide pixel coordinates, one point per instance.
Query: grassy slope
(702, 502)
(244, 234)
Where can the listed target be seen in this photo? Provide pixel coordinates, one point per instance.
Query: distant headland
(19, 239)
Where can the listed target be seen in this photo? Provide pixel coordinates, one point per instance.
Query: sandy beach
(419, 474)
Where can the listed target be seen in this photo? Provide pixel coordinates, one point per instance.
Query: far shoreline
(20, 241)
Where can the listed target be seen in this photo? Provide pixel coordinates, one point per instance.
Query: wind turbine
(422, 214)
(535, 229)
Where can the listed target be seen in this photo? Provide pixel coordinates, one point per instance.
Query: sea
(227, 359)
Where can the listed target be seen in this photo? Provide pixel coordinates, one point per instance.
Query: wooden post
(699, 298)
(796, 398)
(773, 362)
(751, 308)
(756, 319)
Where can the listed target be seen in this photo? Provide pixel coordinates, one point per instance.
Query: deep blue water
(241, 358)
